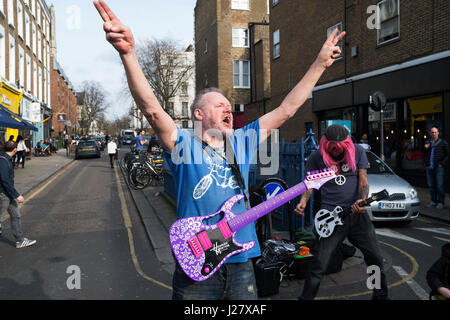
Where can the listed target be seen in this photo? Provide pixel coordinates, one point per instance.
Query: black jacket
(440, 153)
(7, 177)
(439, 273)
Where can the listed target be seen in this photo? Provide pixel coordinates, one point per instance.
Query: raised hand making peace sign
(117, 34)
(330, 51)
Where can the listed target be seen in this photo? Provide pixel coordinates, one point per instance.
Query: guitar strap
(233, 165)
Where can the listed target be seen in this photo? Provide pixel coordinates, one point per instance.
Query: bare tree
(94, 103)
(165, 68)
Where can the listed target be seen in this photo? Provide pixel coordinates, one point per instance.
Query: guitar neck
(266, 207)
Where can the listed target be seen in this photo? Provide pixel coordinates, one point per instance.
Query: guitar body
(202, 249)
(325, 221)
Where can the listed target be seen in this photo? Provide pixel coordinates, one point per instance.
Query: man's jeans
(360, 232)
(436, 184)
(11, 205)
(233, 281)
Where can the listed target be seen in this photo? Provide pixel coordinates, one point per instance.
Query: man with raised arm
(200, 163)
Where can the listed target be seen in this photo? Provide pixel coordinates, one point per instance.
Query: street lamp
(377, 102)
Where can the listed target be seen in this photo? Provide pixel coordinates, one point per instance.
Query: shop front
(10, 98)
(418, 97)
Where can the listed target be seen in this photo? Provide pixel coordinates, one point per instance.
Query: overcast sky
(84, 53)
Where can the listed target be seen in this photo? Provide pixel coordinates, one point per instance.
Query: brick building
(25, 61)
(64, 101)
(407, 58)
(226, 35)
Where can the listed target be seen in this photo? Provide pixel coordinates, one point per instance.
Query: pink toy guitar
(202, 249)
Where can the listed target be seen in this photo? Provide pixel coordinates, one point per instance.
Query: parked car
(101, 142)
(403, 204)
(87, 148)
(127, 140)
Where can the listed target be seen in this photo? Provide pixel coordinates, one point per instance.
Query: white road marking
(443, 231)
(394, 234)
(418, 290)
(443, 239)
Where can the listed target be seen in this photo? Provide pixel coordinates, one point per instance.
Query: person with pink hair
(349, 161)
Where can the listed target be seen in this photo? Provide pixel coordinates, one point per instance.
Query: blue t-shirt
(204, 181)
(343, 190)
(139, 146)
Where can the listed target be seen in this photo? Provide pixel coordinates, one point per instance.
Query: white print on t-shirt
(345, 168)
(222, 175)
(340, 180)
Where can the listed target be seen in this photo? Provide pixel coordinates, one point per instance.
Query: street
(81, 224)
(95, 243)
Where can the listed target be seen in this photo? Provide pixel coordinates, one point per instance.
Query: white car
(403, 204)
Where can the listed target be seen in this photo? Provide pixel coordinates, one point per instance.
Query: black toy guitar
(325, 221)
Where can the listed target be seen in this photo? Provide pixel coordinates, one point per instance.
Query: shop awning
(19, 119)
(7, 121)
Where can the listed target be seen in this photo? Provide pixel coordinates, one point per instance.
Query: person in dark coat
(438, 276)
(436, 152)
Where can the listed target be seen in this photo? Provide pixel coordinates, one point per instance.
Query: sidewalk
(39, 169)
(439, 214)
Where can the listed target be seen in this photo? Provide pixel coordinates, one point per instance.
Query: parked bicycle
(143, 169)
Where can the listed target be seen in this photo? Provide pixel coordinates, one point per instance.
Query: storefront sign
(35, 112)
(5, 100)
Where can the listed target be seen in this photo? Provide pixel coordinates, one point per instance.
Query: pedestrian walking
(112, 151)
(9, 197)
(66, 144)
(236, 278)
(21, 149)
(436, 153)
(349, 161)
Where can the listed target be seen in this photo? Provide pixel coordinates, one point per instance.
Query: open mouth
(227, 120)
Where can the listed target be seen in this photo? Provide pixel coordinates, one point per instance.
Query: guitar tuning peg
(308, 173)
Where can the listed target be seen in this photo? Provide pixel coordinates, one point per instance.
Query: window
(340, 43)
(11, 13)
(27, 29)
(38, 13)
(28, 81)
(276, 44)
(12, 59)
(240, 4)
(33, 38)
(39, 44)
(238, 107)
(2, 52)
(40, 96)
(19, 20)
(241, 74)
(184, 88)
(34, 78)
(389, 20)
(21, 66)
(185, 109)
(185, 124)
(240, 38)
(1, 7)
(275, 2)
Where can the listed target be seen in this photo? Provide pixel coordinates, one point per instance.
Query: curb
(157, 233)
(44, 178)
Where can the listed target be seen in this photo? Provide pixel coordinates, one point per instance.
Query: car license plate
(86, 149)
(391, 205)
